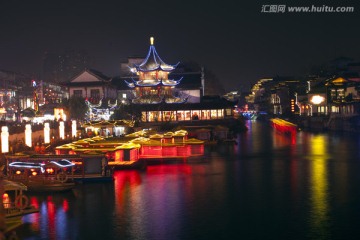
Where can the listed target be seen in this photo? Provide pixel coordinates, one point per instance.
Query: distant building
(276, 96)
(98, 91)
(16, 94)
(91, 85)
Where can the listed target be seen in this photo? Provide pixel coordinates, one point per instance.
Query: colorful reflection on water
(319, 186)
(268, 185)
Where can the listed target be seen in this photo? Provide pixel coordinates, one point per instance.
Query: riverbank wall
(339, 123)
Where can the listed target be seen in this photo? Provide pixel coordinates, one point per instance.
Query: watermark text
(306, 9)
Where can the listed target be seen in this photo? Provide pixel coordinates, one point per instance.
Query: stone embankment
(335, 122)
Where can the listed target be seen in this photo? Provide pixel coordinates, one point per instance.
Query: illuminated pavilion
(152, 84)
(165, 93)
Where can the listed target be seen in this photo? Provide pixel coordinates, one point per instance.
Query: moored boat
(92, 167)
(15, 205)
(53, 176)
(89, 167)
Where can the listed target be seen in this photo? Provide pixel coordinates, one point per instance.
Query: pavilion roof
(153, 62)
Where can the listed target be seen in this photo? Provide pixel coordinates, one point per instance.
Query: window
(213, 114)
(335, 109)
(195, 115)
(78, 93)
(341, 93)
(205, 114)
(95, 93)
(124, 95)
(144, 117)
(187, 115)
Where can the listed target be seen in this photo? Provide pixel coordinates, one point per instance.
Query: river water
(268, 186)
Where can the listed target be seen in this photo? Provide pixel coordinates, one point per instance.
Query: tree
(77, 107)
(120, 113)
(127, 112)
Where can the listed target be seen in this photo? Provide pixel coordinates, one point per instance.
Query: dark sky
(233, 39)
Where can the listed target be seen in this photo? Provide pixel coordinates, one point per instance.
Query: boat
(53, 176)
(89, 167)
(92, 167)
(15, 205)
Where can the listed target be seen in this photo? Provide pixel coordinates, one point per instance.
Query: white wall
(193, 95)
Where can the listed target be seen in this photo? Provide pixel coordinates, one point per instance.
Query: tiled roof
(188, 81)
(153, 62)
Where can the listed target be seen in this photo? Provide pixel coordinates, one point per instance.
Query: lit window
(124, 95)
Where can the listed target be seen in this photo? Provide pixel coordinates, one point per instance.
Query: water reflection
(267, 186)
(319, 186)
(51, 222)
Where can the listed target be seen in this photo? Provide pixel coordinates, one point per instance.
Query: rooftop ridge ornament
(153, 85)
(152, 62)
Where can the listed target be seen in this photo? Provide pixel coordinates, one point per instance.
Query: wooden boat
(53, 176)
(90, 167)
(15, 205)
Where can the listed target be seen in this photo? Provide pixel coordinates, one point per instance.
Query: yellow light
(34, 173)
(317, 99)
(5, 195)
(319, 184)
(152, 40)
(18, 172)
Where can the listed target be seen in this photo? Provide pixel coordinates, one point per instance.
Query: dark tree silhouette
(77, 107)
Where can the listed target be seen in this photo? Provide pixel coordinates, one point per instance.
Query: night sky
(232, 39)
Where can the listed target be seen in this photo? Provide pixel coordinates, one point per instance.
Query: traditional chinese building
(97, 90)
(152, 84)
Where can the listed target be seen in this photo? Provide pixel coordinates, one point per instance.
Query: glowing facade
(152, 84)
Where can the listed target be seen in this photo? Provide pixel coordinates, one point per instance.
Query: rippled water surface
(267, 186)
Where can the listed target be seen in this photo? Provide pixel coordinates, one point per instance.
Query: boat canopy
(13, 186)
